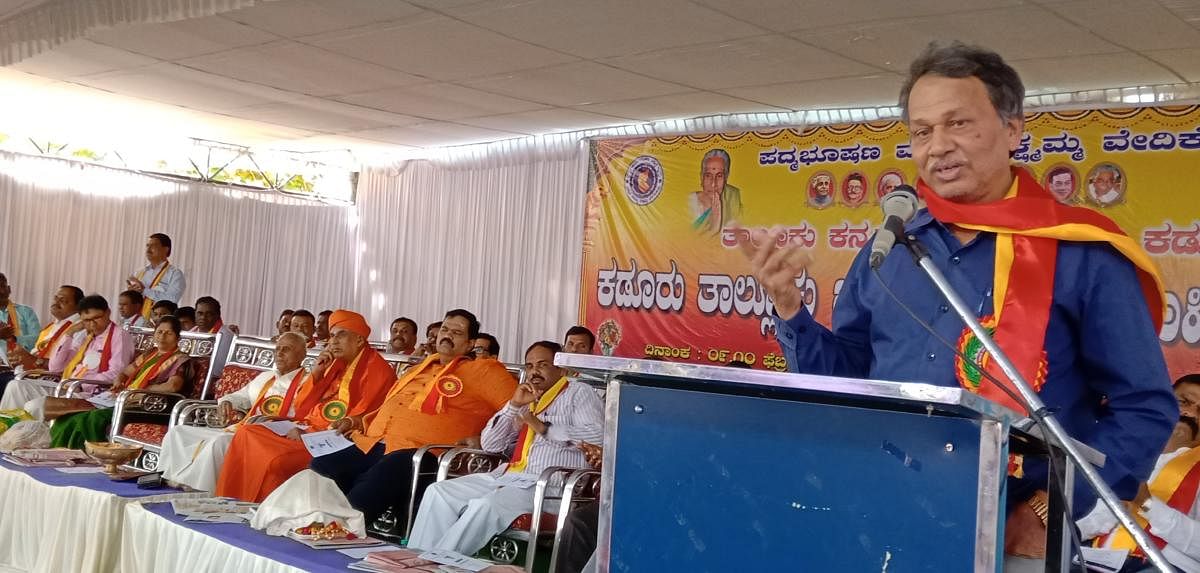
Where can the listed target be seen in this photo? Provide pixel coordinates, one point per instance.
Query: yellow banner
(663, 274)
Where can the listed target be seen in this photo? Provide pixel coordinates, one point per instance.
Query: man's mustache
(447, 341)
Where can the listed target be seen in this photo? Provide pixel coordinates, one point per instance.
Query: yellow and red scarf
(520, 459)
(15, 323)
(216, 327)
(334, 402)
(46, 341)
(147, 303)
(149, 365)
(105, 355)
(432, 398)
(1177, 483)
(1028, 224)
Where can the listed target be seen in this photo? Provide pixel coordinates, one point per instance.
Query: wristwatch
(1040, 508)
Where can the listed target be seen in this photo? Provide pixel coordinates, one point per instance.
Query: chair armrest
(418, 457)
(464, 461)
(539, 507)
(575, 490)
(68, 387)
(151, 402)
(48, 379)
(190, 412)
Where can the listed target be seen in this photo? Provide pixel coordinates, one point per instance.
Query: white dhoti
(462, 514)
(27, 394)
(192, 456)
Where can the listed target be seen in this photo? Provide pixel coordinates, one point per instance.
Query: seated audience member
(163, 368)
(577, 542)
(163, 308)
(403, 336)
(486, 347)
(1187, 391)
(305, 324)
(540, 426)
(1167, 503)
(284, 323)
(187, 317)
(349, 379)
(323, 326)
(159, 280)
(65, 329)
(192, 455)
(444, 399)
(579, 340)
(99, 357)
(429, 347)
(129, 309)
(19, 326)
(208, 321)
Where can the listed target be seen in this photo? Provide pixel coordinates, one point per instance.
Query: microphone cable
(1076, 542)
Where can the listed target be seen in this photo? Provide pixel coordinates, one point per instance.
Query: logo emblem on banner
(644, 180)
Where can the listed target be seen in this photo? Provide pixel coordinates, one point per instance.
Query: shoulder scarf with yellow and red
(147, 303)
(15, 323)
(1177, 484)
(525, 438)
(348, 389)
(149, 366)
(1028, 223)
(105, 354)
(432, 398)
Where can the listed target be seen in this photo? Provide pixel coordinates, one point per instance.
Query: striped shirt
(576, 415)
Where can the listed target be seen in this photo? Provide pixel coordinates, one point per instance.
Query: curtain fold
(63, 222)
(494, 229)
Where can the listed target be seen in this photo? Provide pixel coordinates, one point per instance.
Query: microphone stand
(1053, 431)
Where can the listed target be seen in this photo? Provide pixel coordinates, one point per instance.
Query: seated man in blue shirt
(1081, 310)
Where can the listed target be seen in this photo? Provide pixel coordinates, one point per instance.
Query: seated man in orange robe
(446, 398)
(349, 378)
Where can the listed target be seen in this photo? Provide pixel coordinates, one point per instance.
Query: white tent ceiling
(325, 74)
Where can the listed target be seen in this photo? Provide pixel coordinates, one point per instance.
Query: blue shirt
(1100, 343)
(171, 286)
(27, 320)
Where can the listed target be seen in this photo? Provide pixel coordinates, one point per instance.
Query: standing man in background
(159, 280)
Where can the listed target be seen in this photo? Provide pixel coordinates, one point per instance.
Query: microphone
(898, 206)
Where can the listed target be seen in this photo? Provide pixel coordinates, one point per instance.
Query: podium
(721, 469)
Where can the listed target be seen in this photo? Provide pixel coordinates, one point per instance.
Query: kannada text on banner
(663, 271)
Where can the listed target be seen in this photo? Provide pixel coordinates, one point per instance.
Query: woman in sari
(160, 369)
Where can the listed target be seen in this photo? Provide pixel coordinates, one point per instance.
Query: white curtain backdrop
(63, 222)
(495, 229)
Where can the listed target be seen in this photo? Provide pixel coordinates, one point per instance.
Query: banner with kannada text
(663, 271)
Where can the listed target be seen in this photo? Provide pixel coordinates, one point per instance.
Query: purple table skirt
(97, 482)
(280, 549)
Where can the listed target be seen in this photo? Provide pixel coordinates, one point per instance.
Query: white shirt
(576, 415)
(244, 398)
(1180, 531)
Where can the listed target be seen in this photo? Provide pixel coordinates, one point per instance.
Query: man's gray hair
(299, 338)
(719, 153)
(958, 60)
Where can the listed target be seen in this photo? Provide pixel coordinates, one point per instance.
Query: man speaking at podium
(1074, 302)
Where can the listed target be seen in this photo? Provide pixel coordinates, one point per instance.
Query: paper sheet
(325, 443)
(1106, 560)
(281, 427)
(81, 470)
(456, 559)
(363, 552)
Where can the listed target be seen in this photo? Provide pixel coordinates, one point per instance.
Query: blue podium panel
(704, 481)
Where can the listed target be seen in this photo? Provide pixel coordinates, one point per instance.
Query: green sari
(72, 430)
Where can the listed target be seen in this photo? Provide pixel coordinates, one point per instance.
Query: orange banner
(663, 274)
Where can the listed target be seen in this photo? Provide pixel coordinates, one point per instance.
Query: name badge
(91, 360)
